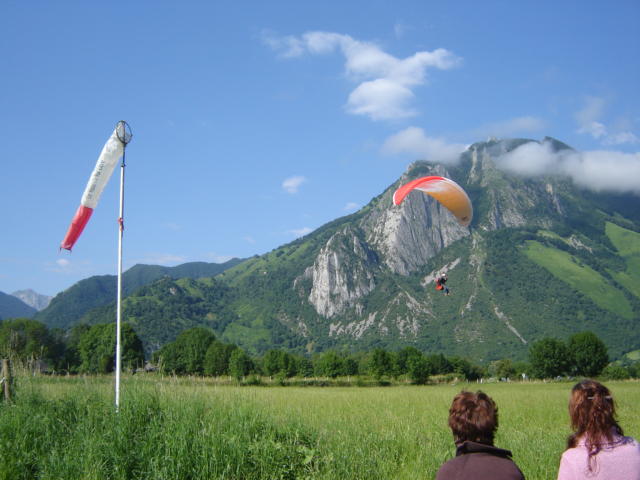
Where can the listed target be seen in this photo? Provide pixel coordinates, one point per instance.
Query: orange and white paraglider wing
(451, 195)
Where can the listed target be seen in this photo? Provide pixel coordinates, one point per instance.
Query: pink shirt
(619, 460)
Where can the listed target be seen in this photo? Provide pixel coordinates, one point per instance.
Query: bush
(615, 372)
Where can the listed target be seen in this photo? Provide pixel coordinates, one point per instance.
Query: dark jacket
(476, 461)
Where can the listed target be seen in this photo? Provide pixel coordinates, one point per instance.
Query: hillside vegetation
(542, 258)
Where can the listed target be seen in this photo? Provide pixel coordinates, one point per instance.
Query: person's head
(473, 417)
(593, 414)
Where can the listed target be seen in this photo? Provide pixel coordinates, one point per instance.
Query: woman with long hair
(597, 448)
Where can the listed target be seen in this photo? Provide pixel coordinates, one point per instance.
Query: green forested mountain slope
(12, 307)
(69, 306)
(541, 258)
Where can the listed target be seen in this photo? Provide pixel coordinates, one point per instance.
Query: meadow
(191, 428)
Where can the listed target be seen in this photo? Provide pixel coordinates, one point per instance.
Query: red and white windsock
(107, 161)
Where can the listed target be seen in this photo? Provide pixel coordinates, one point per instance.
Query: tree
(25, 339)
(71, 360)
(304, 366)
(240, 364)
(522, 367)
(194, 344)
(216, 360)
(349, 366)
(589, 354)
(503, 368)
(381, 363)
(329, 364)
(615, 372)
(97, 348)
(186, 354)
(438, 364)
(403, 358)
(271, 362)
(279, 362)
(549, 358)
(466, 369)
(418, 369)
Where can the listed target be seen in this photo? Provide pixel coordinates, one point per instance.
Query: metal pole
(119, 306)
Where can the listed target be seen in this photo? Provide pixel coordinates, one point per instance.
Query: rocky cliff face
(402, 239)
(408, 235)
(33, 299)
(342, 273)
(389, 240)
(510, 202)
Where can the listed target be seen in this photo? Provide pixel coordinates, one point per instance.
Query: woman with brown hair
(597, 449)
(473, 419)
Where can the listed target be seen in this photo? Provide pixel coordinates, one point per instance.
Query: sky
(255, 122)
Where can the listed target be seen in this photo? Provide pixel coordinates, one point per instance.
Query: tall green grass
(192, 429)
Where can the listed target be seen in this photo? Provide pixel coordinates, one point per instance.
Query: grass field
(628, 245)
(171, 428)
(580, 276)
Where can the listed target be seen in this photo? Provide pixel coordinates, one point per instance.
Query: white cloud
(590, 123)
(510, 127)
(292, 184)
(531, 159)
(381, 99)
(621, 138)
(414, 142)
(68, 267)
(595, 129)
(596, 170)
(300, 232)
(384, 81)
(249, 239)
(287, 46)
(351, 207)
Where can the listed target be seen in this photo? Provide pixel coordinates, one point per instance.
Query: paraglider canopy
(446, 191)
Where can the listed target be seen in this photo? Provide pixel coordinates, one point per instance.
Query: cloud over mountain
(601, 170)
(415, 142)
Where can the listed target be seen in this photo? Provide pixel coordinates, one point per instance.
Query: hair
(473, 417)
(593, 417)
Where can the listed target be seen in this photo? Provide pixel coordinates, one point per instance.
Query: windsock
(111, 153)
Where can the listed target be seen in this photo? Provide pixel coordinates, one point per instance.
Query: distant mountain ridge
(33, 299)
(12, 307)
(66, 308)
(542, 257)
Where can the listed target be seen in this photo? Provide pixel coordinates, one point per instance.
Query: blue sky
(257, 122)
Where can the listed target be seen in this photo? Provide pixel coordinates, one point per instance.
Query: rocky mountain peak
(33, 299)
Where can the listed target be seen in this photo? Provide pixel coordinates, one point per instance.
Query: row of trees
(197, 351)
(83, 349)
(584, 354)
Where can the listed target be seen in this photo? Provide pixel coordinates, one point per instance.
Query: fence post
(6, 379)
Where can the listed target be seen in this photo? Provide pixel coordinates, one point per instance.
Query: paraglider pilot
(441, 282)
